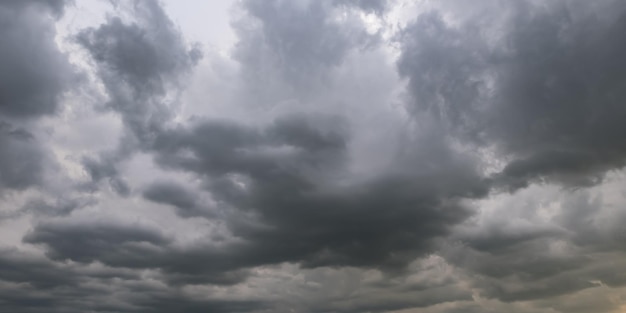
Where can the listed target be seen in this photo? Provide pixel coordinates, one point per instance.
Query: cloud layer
(340, 156)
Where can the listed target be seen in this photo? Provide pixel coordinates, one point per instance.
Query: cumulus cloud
(34, 75)
(542, 91)
(138, 62)
(341, 159)
(34, 71)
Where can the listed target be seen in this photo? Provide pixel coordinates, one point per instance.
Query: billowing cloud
(138, 62)
(543, 91)
(21, 158)
(340, 156)
(33, 76)
(34, 71)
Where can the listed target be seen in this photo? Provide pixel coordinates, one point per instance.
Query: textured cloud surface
(332, 156)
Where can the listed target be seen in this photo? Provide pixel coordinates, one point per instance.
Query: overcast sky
(313, 156)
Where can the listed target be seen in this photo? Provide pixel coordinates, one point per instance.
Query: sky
(309, 156)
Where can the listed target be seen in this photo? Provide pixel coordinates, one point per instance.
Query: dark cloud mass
(278, 190)
(33, 77)
(545, 93)
(20, 158)
(34, 71)
(343, 156)
(185, 201)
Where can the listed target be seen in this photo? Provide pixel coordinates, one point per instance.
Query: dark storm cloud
(33, 76)
(21, 158)
(270, 189)
(33, 72)
(29, 283)
(189, 265)
(168, 303)
(105, 242)
(546, 91)
(41, 273)
(124, 245)
(186, 202)
(278, 187)
(279, 176)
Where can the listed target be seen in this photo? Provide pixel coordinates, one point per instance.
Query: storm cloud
(544, 94)
(34, 76)
(324, 156)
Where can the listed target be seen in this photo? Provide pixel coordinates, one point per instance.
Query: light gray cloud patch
(140, 64)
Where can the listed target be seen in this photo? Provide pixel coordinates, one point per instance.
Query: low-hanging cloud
(464, 159)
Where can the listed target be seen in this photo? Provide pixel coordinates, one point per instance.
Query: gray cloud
(20, 159)
(58, 207)
(138, 63)
(30, 283)
(301, 206)
(55, 6)
(33, 76)
(168, 303)
(34, 71)
(135, 246)
(544, 91)
(540, 94)
(106, 242)
(289, 48)
(185, 201)
(521, 258)
(280, 175)
(18, 268)
(294, 218)
(377, 6)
